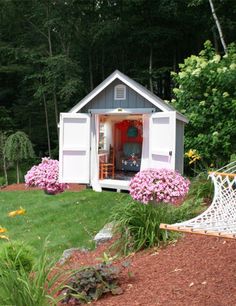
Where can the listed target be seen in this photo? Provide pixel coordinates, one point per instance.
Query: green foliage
(90, 283)
(137, 225)
(52, 53)
(17, 255)
(28, 288)
(6, 122)
(3, 161)
(201, 187)
(206, 95)
(232, 157)
(53, 216)
(2, 181)
(18, 147)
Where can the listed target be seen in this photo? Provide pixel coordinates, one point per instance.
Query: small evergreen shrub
(90, 283)
(159, 185)
(16, 255)
(45, 176)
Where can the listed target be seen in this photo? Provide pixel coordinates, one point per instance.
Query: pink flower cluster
(45, 176)
(159, 185)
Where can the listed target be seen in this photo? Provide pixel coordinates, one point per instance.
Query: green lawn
(69, 219)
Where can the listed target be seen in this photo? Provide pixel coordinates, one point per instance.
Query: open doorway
(121, 135)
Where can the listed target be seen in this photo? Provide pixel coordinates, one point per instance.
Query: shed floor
(115, 184)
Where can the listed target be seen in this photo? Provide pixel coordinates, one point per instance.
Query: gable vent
(120, 92)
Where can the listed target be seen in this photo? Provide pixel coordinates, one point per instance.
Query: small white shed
(143, 130)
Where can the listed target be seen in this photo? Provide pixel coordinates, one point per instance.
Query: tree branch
(218, 26)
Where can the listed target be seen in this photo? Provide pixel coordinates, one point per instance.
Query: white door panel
(74, 159)
(162, 140)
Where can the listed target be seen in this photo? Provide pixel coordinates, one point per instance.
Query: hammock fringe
(220, 217)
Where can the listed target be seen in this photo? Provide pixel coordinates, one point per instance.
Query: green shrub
(201, 187)
(205, 93)
(233, 157)
(137, 225)
(2, 181)
(28, 288)
(90, 283)
(17, 255)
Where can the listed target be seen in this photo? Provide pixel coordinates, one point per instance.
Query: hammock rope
(219, 219)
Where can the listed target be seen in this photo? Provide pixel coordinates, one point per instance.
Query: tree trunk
(103, 69)
(49, 41)
(2, 154)
(216, 46)
(90, 71)
(17, 172)
(218, 26)
(175, 61)
(54, 85)
(47, 125)
(56, 109)
(150, 70)
(55, 102)
(5, 169)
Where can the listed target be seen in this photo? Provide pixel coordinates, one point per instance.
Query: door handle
(170, 153)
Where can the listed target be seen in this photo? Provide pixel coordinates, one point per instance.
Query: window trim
(115, 91)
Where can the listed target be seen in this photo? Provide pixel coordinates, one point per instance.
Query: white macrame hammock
(220, 218)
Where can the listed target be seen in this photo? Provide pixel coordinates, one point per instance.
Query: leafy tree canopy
(18, 147)
(205, 92)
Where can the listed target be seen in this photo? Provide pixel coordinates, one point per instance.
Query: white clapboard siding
(74, 151)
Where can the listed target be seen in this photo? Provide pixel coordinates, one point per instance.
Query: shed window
(120, 92)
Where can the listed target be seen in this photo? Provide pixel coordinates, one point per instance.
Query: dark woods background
(53, 52)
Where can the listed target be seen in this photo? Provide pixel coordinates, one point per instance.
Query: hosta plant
(45, 176)
(158, 185)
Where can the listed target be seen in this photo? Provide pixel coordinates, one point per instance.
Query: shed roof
(144, 92)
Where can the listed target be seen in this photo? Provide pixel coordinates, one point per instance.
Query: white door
(162, 140)
(74, 148)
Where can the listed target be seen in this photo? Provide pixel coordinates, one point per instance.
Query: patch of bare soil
(22, 187)
(196, 270)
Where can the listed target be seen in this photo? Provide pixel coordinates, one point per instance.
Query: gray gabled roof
(147, 94)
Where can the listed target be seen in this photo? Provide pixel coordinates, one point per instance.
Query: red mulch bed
(22, 187)
(196, 270)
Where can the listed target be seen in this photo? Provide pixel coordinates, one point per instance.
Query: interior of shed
(120, 146)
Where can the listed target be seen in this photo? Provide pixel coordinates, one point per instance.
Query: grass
(68, 220)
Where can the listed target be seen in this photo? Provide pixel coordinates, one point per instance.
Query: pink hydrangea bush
(159, 185)
(45, 176)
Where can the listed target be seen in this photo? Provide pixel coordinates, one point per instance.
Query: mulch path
(195, 270)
